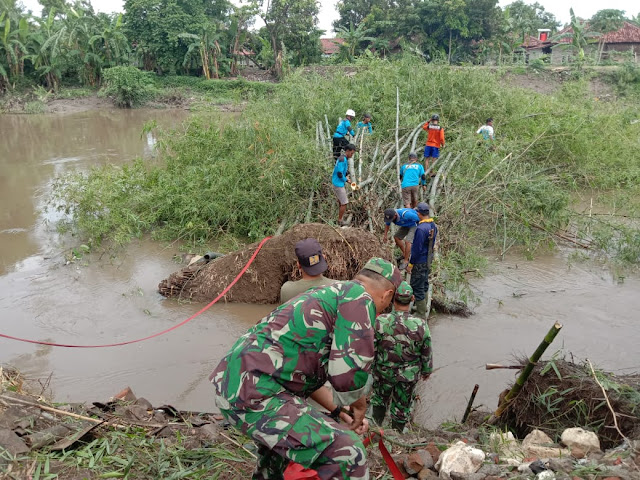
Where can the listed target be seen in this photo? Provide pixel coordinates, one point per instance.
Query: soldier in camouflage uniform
(325, 334)
(403, 356)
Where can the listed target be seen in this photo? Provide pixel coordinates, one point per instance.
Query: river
(111, 296)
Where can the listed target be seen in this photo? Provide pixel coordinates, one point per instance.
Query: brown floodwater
(112, 296)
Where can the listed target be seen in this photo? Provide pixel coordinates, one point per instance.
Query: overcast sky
(560, 8)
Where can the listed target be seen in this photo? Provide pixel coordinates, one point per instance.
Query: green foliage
(34, 107)
(128, 86)
(243, 178)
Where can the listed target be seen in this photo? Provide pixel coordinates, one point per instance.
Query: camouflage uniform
(403, 356)
(262, 384)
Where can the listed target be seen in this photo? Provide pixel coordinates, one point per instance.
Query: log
(522, 378)
(470, 403)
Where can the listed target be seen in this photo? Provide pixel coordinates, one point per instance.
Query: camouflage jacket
(324, 334)
(403, 347)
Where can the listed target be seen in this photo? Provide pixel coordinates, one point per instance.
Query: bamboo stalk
(470, 403)
(522, 378)
(326, 121)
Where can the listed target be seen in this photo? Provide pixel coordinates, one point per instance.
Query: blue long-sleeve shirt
(340, 171)
(365, 125)
(422, 240)
(344, 127)
(412, 174)
(407, 217)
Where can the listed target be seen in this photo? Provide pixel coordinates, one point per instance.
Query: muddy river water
(104, 298)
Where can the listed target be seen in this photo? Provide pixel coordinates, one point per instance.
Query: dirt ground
(550, 81)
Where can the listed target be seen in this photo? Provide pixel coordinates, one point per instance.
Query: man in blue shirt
(407, 220)
(339, 138)
(421, 256)
(411, 175)
(340, 177)
(365, 123)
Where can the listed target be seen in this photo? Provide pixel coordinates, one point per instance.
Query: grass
(132, 454)
(244, 178)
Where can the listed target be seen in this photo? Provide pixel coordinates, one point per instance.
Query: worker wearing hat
(424, 240)
(312, 265)
(263, 385)
(340, 136)
(403, 356)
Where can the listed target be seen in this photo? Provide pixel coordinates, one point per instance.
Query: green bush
(127, 86)
(242, 178)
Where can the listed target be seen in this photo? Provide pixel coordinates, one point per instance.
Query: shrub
(127, 86)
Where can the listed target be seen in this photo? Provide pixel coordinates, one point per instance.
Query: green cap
(404, 293)
(386, 269)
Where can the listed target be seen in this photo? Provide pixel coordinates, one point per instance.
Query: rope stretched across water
(137, 340)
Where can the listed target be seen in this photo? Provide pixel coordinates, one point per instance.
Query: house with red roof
(625, 39)
(331, 46)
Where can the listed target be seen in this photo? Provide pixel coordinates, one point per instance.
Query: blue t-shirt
(412, 175)
(422, 241)
(361, 124)
(344, 127)
(407, 217)
(339, 177)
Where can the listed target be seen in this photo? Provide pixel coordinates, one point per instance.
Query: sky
(560, 8)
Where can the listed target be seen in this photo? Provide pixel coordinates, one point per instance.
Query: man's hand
(409, 268)
(347, 419)
(358, 409)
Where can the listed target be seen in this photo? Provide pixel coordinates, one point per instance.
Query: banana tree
(580, 37)
(13, 46)
(111, 43)
(206, 48)
(353, 37)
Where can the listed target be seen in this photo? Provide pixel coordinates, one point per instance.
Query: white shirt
(486, 131)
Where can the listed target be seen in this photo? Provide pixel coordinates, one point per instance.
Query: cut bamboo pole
(326, 122)
(470, 403)
(397, 141)
(522, 378)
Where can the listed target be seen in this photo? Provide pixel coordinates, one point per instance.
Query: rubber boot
(397, 426)
(421, 308)
(379, 414)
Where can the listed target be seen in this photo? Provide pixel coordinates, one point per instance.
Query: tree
(579, 35)
(209, 51)
(605, 21)
(353, 38)
(353, 12)
(526, 19)
(111, 42)
(288, 23)
(454, 18)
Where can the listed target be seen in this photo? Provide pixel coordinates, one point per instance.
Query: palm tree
(353, 37)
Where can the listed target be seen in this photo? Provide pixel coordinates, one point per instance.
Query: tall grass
(245, 177)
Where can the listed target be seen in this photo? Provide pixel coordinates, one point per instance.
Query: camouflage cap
(386, 269)
(404, 293)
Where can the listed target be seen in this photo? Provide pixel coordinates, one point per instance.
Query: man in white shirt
(487, 130)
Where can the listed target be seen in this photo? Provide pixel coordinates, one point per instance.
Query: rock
(427, 474)
(143, 402)
(48, 436)
(418, 460)
(467, 476)
(125, 395)
(564, 464)
(460, 458)
(12, 443)
(537, 467)
(433, 449)
(506, 445)
(582, 439)
(491, 470)
(539, 444)
(546, 475)
(578, 452)
(209, 433)
(524, 469)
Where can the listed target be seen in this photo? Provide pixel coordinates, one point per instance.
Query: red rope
(184, 322)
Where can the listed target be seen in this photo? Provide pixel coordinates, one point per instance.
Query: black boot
(398, 426)
(379, 414)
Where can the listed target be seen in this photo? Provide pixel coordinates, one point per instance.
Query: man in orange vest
(435, 140)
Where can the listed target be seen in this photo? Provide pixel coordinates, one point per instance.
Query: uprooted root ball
(345, 249)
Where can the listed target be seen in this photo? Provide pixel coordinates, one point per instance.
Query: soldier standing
(422, 247)
(264, 382)
(403, 356)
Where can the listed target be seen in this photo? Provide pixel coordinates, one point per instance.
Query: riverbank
(127, 437)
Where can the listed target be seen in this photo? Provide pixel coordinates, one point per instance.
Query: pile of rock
(537, 456)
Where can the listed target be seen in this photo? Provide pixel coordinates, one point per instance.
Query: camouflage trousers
(286, 427)
(396, 396)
